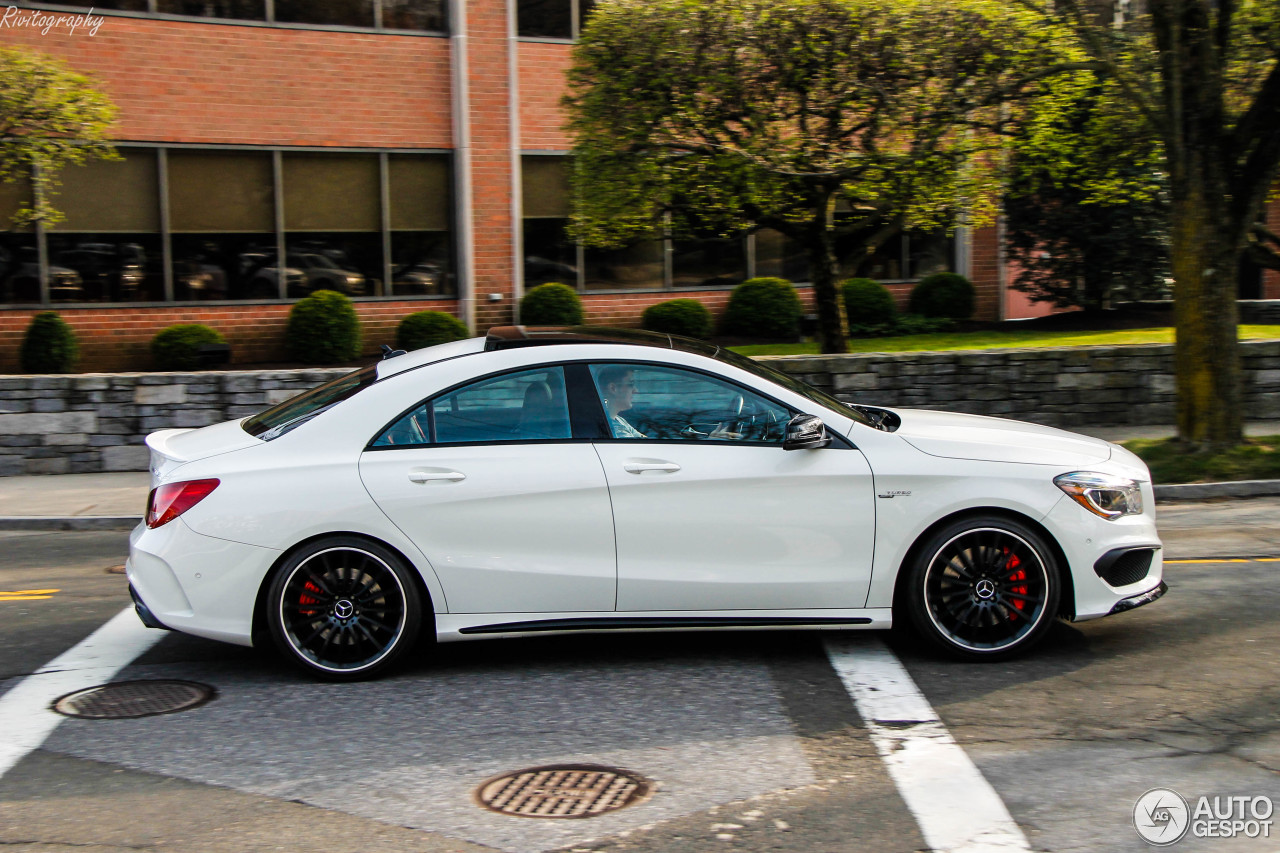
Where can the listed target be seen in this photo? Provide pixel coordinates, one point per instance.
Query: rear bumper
(196, 584)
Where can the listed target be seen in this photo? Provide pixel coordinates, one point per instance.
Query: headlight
(1102, 494)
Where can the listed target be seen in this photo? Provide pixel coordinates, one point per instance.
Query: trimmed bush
(687, 317)
(943, 294)
(323, 329)
(49, 345)
(178, 347)
(763, 308)
(915, 324)
(868, 304)
(551, 305)
(428, 328)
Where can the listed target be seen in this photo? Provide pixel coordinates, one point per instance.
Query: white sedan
(540, 481)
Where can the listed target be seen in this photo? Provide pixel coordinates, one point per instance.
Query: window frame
(269, 18)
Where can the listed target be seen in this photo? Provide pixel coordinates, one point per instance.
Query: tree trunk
(1207, 356)
(833, 329)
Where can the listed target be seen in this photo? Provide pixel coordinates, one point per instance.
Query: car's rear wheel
(984, 588)
(344, 608)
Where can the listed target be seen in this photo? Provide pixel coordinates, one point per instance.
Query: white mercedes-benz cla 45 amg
(540, 480)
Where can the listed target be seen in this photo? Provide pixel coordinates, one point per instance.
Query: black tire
(984, 588)
(344, 608)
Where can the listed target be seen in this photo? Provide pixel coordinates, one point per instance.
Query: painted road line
(27, 594)
(955, 806)
(24, 597)
(26, 714)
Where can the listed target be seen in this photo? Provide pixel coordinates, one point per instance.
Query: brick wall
(1271, 278)
(491, 176)
(206, 82)
(542, 85)
(118, 339)
(985, 275)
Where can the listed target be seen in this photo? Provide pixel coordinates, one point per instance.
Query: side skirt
(464, 626)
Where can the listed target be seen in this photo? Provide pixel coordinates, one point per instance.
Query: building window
(419, 205)
(428, 15)
(549, 256)
(352, 222)
(553, 19)
(222, 215)
(709, 262)
(110, 235)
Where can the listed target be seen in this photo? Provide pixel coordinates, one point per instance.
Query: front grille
(1124, 568)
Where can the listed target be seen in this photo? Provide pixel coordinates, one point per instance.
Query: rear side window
(530, 405)
(294, 412)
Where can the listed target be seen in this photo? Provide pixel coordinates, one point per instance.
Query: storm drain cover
(566, 790)
(124, 700)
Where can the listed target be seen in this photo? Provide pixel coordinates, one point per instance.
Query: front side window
(527, 406)
(662, 403)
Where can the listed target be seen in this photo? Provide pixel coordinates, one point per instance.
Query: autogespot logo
(1161, 817)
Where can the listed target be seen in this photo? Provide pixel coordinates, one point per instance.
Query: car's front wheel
(343, 608)
(984, 588)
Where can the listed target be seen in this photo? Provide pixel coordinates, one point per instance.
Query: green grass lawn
(1257, 459)
(945, 341)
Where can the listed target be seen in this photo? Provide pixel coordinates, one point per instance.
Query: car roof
(512, 337)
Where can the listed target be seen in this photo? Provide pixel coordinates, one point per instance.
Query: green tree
(1086, 205)
(50, 117)
(697, 118)
(1203, 76)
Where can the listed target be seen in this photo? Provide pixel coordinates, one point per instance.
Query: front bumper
(1091, 544)
(1140, 599)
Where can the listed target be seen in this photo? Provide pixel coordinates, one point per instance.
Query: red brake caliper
(305, 600)
(1015, 574)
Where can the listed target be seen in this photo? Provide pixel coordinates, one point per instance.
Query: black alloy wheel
(344, 608)
(985, 588)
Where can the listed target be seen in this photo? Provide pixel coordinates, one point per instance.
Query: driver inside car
(618, 387)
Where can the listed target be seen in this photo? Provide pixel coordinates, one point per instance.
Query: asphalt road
(753, 740)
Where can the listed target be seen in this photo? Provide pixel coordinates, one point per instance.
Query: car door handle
(641, 467)
(420, 475)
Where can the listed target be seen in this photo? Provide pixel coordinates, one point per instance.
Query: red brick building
(407, 152)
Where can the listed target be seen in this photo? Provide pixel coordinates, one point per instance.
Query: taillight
(169, 501)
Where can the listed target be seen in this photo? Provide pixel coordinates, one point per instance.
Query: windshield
(296, 411)
(791, 384)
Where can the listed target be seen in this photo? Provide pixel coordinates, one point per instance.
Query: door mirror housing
(805, 432)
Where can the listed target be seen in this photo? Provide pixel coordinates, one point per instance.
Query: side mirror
(805, 432)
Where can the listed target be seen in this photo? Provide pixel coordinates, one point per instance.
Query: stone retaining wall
(1065, 387)
(97, 422)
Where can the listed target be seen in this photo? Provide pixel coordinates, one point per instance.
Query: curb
(1205, 491)
(85, 522)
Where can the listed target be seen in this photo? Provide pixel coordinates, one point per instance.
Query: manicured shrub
(49, 345)
(323, 329)
(178, 347)
(763, 308)
(428, 328)
(551, 305)
(868, 304)
(687, 317)
(943, 294)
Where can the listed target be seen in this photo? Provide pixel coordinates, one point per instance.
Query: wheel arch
(259, 633)
(1067, 600)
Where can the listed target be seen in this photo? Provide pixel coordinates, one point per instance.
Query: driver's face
(620, 393)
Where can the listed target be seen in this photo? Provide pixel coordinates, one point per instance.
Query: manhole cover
(123, 700)
(567, 790)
